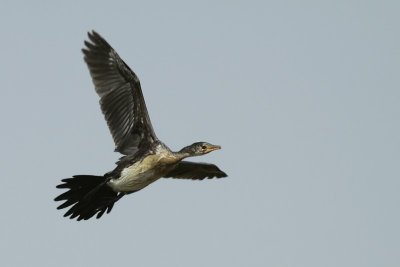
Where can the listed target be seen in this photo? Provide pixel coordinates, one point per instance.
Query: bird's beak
(212, 148)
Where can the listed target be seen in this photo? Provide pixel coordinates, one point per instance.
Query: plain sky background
(303, 96)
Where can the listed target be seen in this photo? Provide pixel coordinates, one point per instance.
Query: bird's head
(199, 148)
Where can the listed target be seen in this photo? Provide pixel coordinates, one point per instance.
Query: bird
(145, 159)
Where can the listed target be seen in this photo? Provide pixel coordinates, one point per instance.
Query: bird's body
(138, 173)
(146, 159)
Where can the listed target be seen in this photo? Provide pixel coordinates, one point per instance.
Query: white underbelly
(133, 181)
(138, 175)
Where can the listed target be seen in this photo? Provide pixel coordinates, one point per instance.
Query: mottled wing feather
(195, 171)
(121, 97)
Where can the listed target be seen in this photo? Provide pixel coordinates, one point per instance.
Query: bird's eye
(203, 147)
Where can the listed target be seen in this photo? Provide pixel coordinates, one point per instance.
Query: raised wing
(195, 171)
(121, 97)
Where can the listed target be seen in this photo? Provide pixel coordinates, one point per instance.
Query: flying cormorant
(146, 159)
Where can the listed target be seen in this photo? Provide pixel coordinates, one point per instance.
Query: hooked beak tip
(214, 148)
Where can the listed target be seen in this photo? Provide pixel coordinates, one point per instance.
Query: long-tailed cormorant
(146, 159)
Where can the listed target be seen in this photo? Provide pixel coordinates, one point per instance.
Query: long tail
(89, 195)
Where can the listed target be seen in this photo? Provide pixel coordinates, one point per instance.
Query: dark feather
(195, 171)
(121, 97)
(88, 195)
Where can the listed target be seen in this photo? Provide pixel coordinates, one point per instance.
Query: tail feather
(88, 195)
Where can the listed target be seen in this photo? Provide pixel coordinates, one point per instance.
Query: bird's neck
(172, 156)
(180, 155)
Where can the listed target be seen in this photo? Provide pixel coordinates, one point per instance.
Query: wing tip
(96, 39)
(219, 175)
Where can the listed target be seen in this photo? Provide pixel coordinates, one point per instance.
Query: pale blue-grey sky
(303, 96)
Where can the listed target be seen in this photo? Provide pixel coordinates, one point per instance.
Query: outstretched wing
(121, 98)
(195, 171)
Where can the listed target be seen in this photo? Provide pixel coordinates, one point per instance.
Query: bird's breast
(140, 174)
